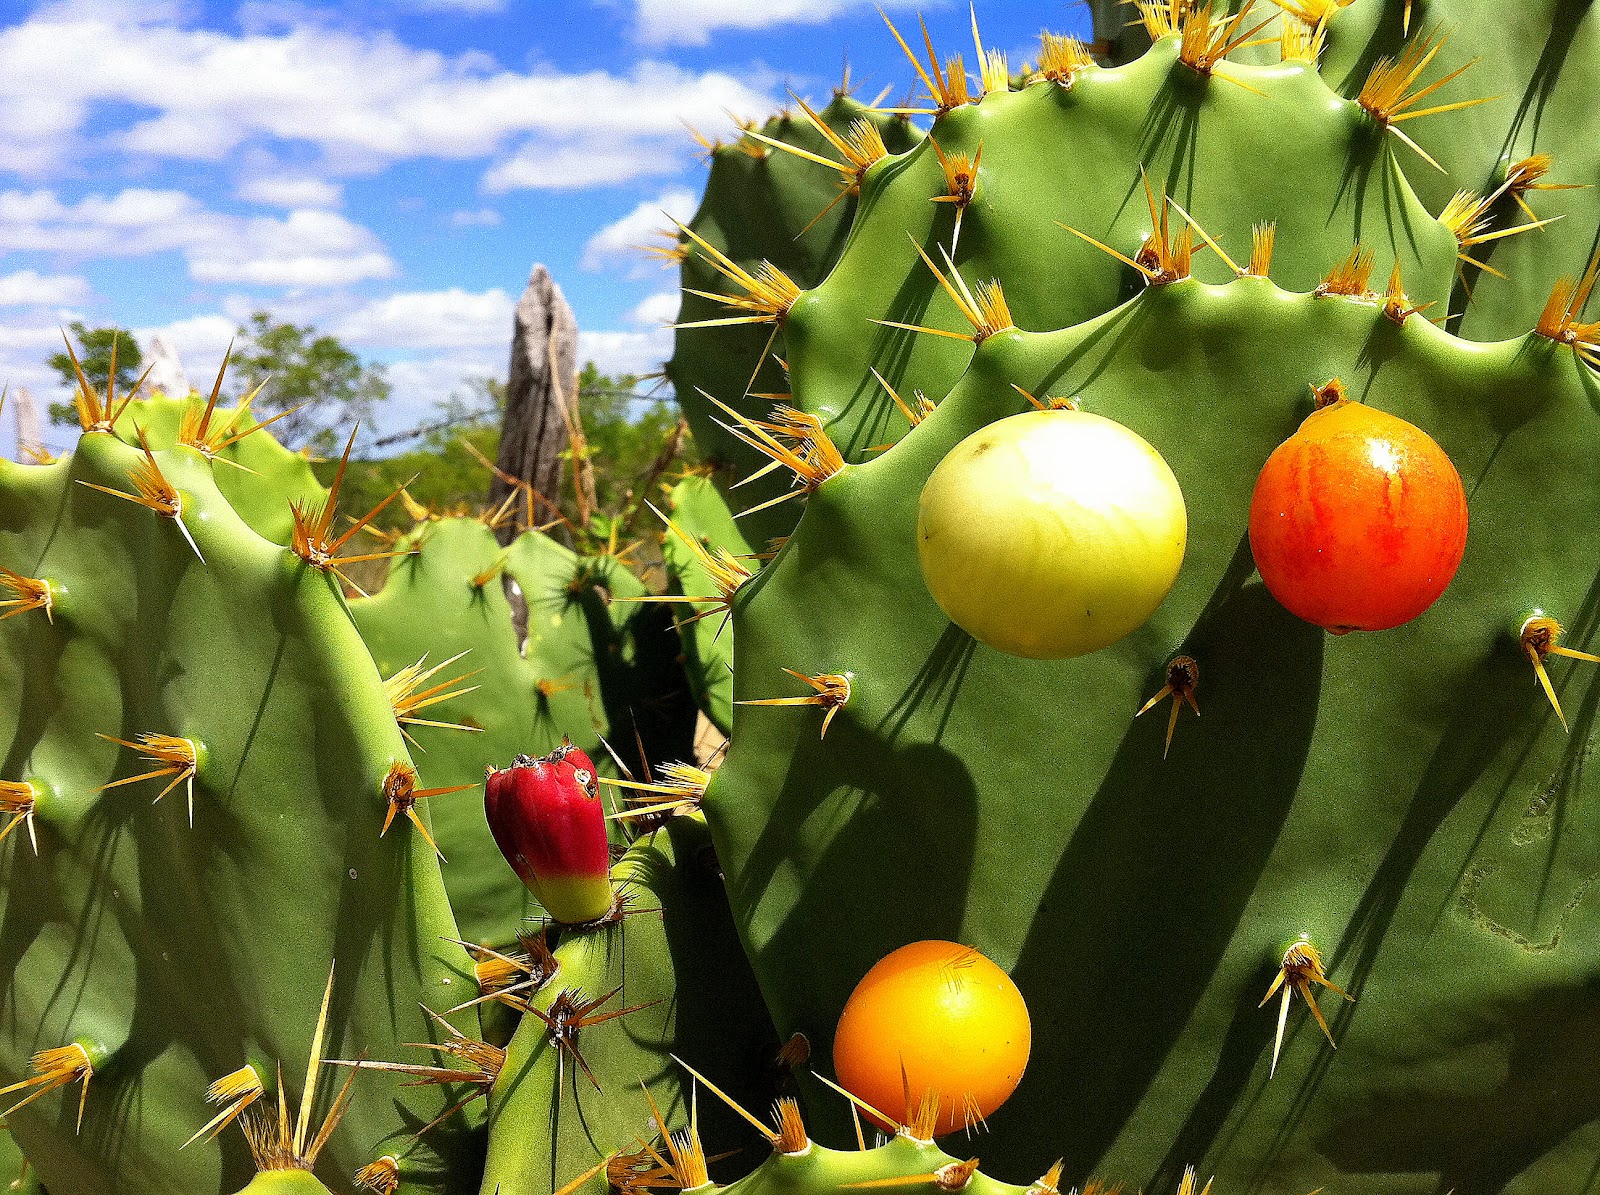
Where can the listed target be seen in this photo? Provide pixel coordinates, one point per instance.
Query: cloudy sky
(389, 170)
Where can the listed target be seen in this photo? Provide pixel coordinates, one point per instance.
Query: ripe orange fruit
(933, 1017)
(1359, 520)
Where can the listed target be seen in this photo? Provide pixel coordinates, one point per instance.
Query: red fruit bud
(546, 817)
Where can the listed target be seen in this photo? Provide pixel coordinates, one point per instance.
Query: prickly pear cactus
(763, 205)
(1397, 814)
(197, 761)
(260, 478)
(589, 668)
(704, 549)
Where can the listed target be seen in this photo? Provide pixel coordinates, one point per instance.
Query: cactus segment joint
(1300, 973)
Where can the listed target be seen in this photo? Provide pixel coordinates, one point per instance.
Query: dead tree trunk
(541, 400)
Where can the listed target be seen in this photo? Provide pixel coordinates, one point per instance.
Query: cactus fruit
(588, 667)
(547, 819)
(180, 653)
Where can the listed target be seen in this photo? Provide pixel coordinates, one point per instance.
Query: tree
(324, 383)
(96, 348)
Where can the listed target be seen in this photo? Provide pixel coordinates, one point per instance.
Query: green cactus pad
(175, 954)
(1408, 798)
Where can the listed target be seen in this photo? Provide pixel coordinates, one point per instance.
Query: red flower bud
(546, 817)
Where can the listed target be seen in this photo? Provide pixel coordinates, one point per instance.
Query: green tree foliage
(96, 349)
(327, 386)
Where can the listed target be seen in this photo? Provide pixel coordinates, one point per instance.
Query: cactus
(156, 648)
(1391, 814)
(667, 967)
(762, 206)
(705, 550)
(589, 668)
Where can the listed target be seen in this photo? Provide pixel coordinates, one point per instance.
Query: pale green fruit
(1051, 534)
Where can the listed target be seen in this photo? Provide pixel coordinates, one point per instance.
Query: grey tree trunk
(541, 393)
(1118, 36)
(165, 374)
(30, 430)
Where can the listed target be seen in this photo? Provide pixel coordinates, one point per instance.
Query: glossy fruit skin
(548, 821)
(1051, 534)
(1358, 521)
(953, 1019)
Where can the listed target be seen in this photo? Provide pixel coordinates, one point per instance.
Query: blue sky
(390, 171)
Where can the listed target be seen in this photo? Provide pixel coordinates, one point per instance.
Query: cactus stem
(381, 1176)
(234, 1092)
(1388, 91)
(178, 757)
(153, 491)
(406, 696)
(832, 692)
(313, 526)
(55, 1068)
(33, 593)
(1559, 321)
(402, 794)
(1537, 637)
(1183, 678)
(1300, 969)
(18, 798)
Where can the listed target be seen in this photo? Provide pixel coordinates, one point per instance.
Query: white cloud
(483, 217)
(658, 309)
(302, 249)
(621, 240)
(29, 288)
(199, 340)
(290, 191)
(444, 319)
(542, 166)
(365, 100)
(690, 22)
(625, 352)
